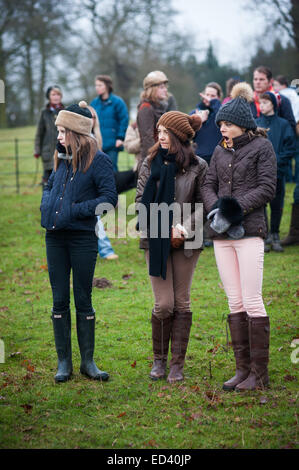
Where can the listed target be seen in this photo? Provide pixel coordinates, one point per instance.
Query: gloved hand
(236, 232)
(219, 223)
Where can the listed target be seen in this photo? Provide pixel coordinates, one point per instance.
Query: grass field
(130, 411)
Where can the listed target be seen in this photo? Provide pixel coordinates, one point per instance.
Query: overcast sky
(231, 28)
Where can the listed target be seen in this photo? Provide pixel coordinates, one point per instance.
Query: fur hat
(181, 124)
(75, 118)
(154, 78)
(238, 111)
(230, 209)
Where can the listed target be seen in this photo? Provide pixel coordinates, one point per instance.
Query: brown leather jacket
(188, 189)
(246, 172)
(148, 115)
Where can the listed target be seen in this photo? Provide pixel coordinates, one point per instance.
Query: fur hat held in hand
(230, 209)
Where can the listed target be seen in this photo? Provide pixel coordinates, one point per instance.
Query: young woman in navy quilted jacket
(81, 180)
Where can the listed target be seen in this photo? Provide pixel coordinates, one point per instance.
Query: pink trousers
(240, 265)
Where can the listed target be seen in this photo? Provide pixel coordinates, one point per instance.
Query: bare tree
(282, 15)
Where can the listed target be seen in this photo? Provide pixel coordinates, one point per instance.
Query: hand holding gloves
(227, 217)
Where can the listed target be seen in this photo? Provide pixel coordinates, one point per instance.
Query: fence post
(17, 165)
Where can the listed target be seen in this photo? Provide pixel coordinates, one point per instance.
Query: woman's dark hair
(107, 80)
(55, 88)
(183, 151)
(258, 132)
(217, 87)
(282, 80)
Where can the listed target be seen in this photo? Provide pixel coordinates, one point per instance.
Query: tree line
(43, 42)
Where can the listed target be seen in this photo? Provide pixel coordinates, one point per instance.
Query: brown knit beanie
(181, 124)
(77, 118)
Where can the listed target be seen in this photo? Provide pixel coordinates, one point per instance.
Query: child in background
(283, 140)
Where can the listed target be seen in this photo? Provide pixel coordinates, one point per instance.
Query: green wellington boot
(62, 334)
(86, 333)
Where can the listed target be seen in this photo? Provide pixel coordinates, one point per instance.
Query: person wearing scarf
(171, 173)
(46, 132)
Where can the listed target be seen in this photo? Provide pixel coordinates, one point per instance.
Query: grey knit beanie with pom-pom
(238, 111)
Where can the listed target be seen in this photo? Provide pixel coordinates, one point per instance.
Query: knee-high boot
(180, 333)
(86, 333)
(238, 325)
(62, 334)
(259, 336)
(160, 335)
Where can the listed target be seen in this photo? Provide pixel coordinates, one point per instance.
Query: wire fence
(19, 169)
(13, 162)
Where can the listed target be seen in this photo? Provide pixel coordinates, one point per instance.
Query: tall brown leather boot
(259, 335)
(238, 325)
(293, 237)
(160, 334)
(179, 342)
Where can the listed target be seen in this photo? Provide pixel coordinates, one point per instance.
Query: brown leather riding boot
(238, 325)
(259, 334)
(179, 342)
(160, 334)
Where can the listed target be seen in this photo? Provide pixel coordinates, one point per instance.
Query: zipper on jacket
(61, 197)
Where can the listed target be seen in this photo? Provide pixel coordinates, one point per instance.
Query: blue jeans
(104, 246)
(76, 251)
(113, 154)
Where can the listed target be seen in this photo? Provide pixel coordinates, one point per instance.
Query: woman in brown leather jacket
(171, 175)
(240, 181)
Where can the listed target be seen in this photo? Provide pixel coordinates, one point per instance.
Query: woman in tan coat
(172, 176)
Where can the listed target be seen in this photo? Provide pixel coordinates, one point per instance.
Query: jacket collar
(238, 142)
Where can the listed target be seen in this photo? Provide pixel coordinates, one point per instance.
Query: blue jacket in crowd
(209, 135)
(114, 119)
(284, 111)
(69, 200)
(282, 138)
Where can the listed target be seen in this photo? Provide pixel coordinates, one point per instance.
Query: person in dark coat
(209, 135)
(80, 186)
(283, 140)
(153, 103)
(241, 179)
(46, 132)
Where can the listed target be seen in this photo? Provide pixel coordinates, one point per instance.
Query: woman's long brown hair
(183, 151)
(82, 148)
(258, 132)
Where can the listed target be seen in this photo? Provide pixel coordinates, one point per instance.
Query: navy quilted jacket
(69, 200)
